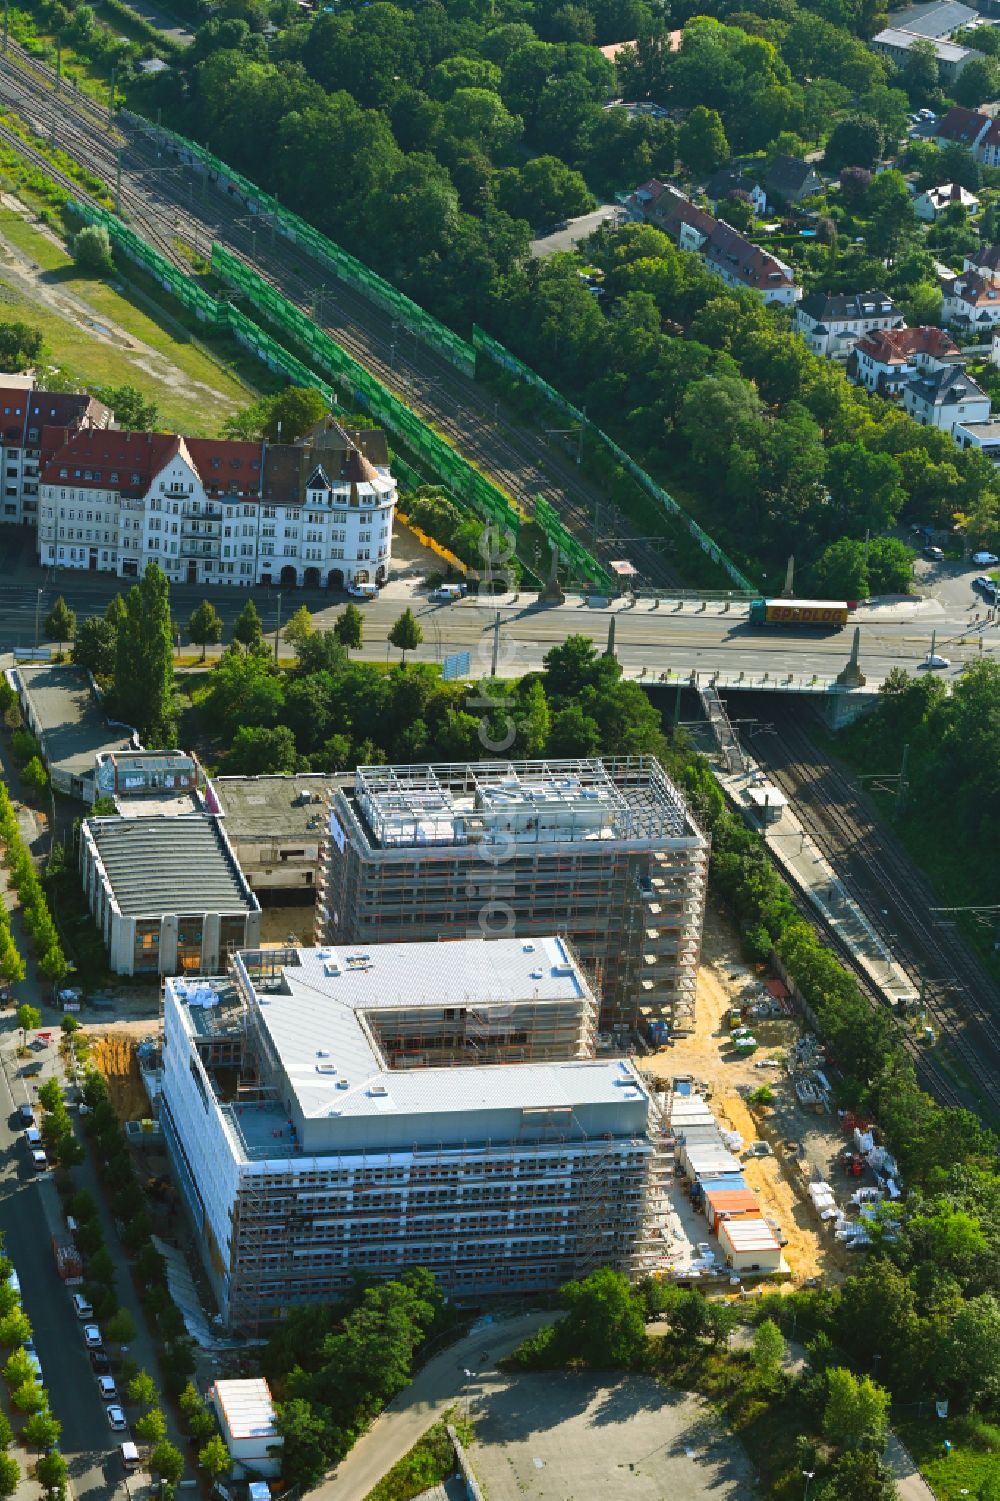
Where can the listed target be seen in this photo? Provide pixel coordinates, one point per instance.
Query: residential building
(249, 1427)
(940, 18)
(604, 851)
(975, 129)
(216, 511)
(278, 828)
(895, 44)
(982, 435)
(788, 180)
(732, 180)
(945, 398)
(733, 257)
(166, 893)
(972, 302)
(354, 1111)
(831, 323)
(64, 709)
(984, 261)
(885, 359)
(927, 206)
(24, 413)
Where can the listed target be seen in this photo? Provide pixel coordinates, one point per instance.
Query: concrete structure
(64, 710)
(895, 44)
(946, 398)
(248, 1426)
(886, 360)
(166, 893)
(213, 511)
(604, 851)
(344, 1110)
(749, 1244)
(832, 323)
(278, 826)
(24, 414)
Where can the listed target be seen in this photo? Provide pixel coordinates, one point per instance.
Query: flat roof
(892, 36)
(162, 865)
(247, 1408)
(986, 430)
(278, 806)
(749, 1233)
(626, 798)
(74, 729)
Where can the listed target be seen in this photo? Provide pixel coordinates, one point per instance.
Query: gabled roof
(949, 192)
(23, 412)
(962, 125)
(788, 174)
(733, 253)
(985, 258)
(976, 291)
(227, 466)
(841, 307)
(104, 458)
(898, 346)
(729, 180)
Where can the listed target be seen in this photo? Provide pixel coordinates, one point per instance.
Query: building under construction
(346, 1110)
(604, 851)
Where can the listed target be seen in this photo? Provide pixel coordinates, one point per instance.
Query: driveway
(576, 230)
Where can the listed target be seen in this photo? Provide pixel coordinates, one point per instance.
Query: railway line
(958, 993)
(169, 202)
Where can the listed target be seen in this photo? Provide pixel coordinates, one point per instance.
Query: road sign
(457, 665)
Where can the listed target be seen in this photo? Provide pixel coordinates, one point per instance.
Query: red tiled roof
(732, 252)
(104, 458)
(224, 462)
(896, 346)
(960, 125)
(978, 291)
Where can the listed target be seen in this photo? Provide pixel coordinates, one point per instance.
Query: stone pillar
(551, 593)
(851, 676)
(610, 650)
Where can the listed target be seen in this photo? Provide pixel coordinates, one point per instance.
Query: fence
(503, 357)
(354, 272)
(464, 481)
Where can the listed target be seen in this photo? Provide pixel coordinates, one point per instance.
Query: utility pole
(6, 22)
(111, 101)
(901, 782)
(277, 630)
(58, 62)
(118, 181)
(496, 645)
(38, 607)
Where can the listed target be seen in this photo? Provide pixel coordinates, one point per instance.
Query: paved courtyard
(574, 1437)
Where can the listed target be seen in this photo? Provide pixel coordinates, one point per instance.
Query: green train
(798, 612)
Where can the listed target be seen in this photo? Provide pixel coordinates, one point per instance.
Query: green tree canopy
(205, 626)
(60, 623)
(406, 633)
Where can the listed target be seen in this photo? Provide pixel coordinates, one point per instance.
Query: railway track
(959, 994)
(168, 202)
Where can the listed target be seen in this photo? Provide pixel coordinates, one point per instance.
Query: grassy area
(975, 1453)
(203, 393)
(430, 1461)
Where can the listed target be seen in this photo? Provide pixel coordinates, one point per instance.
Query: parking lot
(562, 1436)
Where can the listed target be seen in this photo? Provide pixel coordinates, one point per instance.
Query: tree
(60, 623)
(151, 1428)
(94, 646)
(205, 626)
(258, 751)
(854, 142)
(141, 1389)
(406, 634)
(283, 417)
(604, 1323)
(121, 1329)
(10, 1475)
(864, 486)
(305, 1454)
(167, 1461)
(841, 571)
(349, 627)
(767, 1349)
(702, 143)
(856, 1410)
(29, 1019)
(858, 1476)
(20, 345)
(53, 1472)
(15, 1327)
(920, 77)
(970, 1352)
(889, 204)
(144, 670)
(35, 775)
(890, 566)
(28, 1397)
(543, 191)
(247, 629)
(131, 408)
(92, 250)
(214, 1457)
(299, 628)
(41, 1430)
(977, 82)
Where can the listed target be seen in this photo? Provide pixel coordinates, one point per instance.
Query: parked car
(933, 660)
(39, 1161)
(92, 1337)
(99, 1362)
(933, 554)
(106, 1387)
(982, 583)
(984, 559)
(82, 1308)
(26, 1114)
(116, 1418)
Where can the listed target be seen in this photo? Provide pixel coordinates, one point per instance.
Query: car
(933, 660)
(933, 554)
(985, 559)
(99, 1362)
(92, 1337)
(705, 1251)
(106, 1387)
(39, 1161)
(982, 583)
(116, 1418)
(26, 1114)
(84, 1310)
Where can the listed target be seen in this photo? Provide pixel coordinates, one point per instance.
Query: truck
(822, 612)
(69, 1263)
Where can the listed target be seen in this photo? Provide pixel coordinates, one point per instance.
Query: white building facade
(217, 512)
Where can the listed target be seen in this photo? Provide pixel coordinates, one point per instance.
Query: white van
(82, 1308)
(448, 593)
(364, 591)
(130, 1456)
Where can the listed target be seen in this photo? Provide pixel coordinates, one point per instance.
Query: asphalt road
(87, 1442)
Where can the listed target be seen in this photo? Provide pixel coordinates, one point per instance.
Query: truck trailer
(831, 613)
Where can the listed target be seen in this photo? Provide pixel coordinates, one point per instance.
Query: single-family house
(945, 398)
(788, 180)
(974, 129)
(884, 360)
(972, 302)
(896, 44)
(928, 205)
(733, 180)
(832, 322)
(984, 261)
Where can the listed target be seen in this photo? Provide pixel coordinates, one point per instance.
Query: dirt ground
(727, 1078)
(114, 1055)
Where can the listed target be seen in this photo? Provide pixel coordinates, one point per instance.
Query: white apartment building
(211, 511)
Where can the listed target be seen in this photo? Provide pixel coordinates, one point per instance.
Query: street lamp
(38, 606)
(810, 1476)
